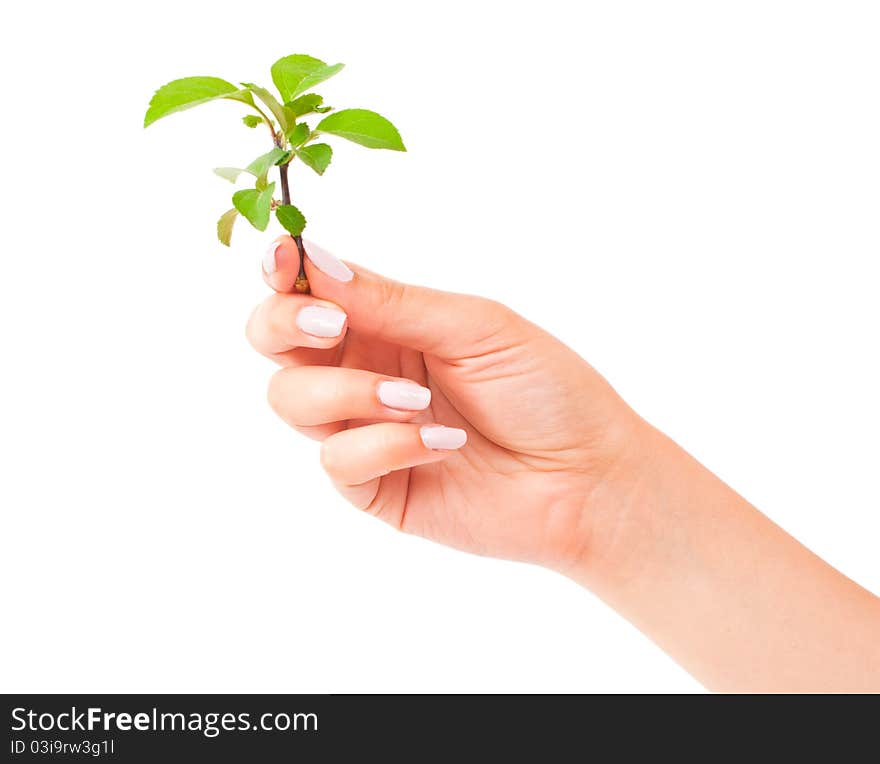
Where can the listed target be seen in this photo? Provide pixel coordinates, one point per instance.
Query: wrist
(723, 590)
(626, 511)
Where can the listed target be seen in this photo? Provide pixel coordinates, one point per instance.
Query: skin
(557, 471)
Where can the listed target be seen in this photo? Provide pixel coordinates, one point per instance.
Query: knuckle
(392, 299)
(502, 324)
(392, 294)
(498, 311)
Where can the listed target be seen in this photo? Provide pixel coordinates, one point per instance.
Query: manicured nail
(269, 263)
(407, 396)
(320, 322)
(438, 437)
(328, 264)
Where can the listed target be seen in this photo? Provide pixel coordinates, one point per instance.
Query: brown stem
(302, 261)
(302, 281)
(285, 185)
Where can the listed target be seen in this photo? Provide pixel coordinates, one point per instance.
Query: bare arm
(738, 602)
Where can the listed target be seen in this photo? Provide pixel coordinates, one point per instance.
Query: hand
(453, 418)
(446, 415)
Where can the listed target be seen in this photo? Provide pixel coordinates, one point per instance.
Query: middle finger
(284, 322)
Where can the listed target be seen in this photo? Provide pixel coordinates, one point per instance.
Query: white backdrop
(704, 176)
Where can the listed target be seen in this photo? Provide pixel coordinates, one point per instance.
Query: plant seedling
(292, 137)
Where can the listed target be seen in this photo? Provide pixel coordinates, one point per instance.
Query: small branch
(302, 281)
(285, 186)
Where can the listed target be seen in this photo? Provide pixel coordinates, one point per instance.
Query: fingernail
(320, 322)
(328, 264)
(269, 263)
(407, 396)
(438, 437)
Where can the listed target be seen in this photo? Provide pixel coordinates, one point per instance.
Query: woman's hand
(446, 415)
(454, 418)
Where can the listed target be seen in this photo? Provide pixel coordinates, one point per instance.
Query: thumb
(445, 324)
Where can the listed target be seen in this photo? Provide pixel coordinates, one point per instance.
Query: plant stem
(285, 185)
(302, 282)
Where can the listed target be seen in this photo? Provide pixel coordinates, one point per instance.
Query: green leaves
(317, 156)
(307, 104)
(255, 205)
(260, 166)
(291, 218)
(225, 224)
(185, 93)
(285, 116)
(295, 74)
(300, 134)
(364, 127)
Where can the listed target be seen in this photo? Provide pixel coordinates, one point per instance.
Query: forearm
(727, 593)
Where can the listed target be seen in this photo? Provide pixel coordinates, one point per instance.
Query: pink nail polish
(328, 264)
(406, 396)
(320, 322)
(438, 437)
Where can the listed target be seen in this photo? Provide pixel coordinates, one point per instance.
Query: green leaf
(191, 91)
(260, 166)
(282, 114)
(289, 116)
(316, 155)
(316, 78)
(291, 218)
(295, 74)
(255, 205)
(364, 127)
(229, 173)
(306, 104)
(224, 225)
(300, 134)
(252, 120)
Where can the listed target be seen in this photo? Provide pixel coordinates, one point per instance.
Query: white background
(697, 181)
